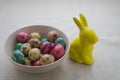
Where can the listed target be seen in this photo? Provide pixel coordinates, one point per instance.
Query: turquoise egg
(60, 41)
(18, 56)
(43, 40)
(18, 46)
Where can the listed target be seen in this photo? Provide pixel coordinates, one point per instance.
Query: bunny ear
(83, 20)
(78, 23)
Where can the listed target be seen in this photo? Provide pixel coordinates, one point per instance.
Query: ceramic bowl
(42, 29)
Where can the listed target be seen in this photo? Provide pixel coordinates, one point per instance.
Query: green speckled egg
(43, 40)
(18, 46)
(14, 58)
(18, 56)
(60, 41)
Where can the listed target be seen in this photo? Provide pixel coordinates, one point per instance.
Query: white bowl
(10, 44)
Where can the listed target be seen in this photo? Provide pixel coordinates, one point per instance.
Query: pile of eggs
(34, 50)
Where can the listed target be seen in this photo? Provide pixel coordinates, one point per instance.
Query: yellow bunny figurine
(82, 46)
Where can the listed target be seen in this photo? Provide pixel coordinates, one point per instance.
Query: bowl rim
(26, 66)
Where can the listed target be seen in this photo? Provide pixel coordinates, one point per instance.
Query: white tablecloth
(102, 15)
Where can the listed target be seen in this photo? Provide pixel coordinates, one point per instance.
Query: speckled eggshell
(25, 48)
(35, 35)
(18, 46)
(43, 40)
(27, 61)
(23, 37)
(60, 41)
(58, 51)
(46, 47)
(34, 43)
(52, 35)
(47, 58)
(34, 54)
(18, 56)
(36, 63)
(52, 45)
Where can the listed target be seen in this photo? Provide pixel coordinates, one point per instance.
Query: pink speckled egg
(36, 63)
(46, 47)
(58, 51)
(23, 37)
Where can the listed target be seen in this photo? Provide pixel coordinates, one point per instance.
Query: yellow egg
(34, 43)
(52, 35)
(47, 58)
(27, 61)
(35, 35)
(34, 54)
(25, 48)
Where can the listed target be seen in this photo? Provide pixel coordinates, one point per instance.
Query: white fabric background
(102, 15)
